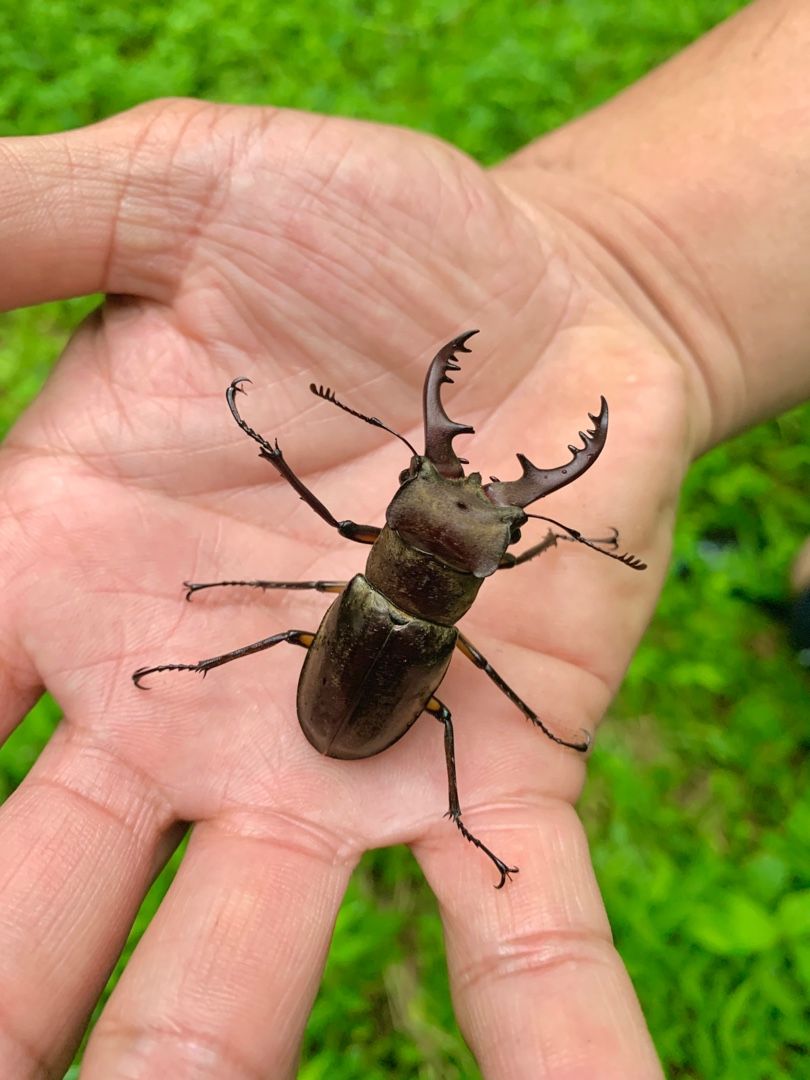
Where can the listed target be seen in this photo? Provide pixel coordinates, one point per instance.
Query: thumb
(20, 684)
(104, 208)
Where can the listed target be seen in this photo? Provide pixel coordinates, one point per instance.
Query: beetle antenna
(628, 560)
(329, 395)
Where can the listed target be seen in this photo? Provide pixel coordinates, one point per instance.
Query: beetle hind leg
(292, 637)
(442, 713)
(465, 646)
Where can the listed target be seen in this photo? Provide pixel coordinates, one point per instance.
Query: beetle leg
(574, 534)
(318, 586)
(480, 661)
(362, 534)
(442, 713)
(549, 541)
(294, 637)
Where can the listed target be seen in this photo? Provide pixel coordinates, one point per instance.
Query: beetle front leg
(361, 534)
(292, 637)
(549, 541)
(319, 586)
(599, 546)
(465, 646)
(442, 713)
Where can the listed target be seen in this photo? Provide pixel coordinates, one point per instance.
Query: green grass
(697, 804)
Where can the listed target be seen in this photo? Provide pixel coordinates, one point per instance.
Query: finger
(80, 841)
(538, 987)
(84, 211)
(223, 981)
(20, 685)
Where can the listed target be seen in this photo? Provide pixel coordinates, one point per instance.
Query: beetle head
(452, 519)
(441, 512)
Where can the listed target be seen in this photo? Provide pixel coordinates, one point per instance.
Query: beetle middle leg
(319, 586)
(442, 713)
(465, 646)
(292, 637)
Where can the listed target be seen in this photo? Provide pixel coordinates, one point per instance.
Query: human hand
(290, 248)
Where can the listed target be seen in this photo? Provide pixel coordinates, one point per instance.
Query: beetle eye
(413, 470)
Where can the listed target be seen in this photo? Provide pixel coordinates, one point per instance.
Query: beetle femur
(440, 430)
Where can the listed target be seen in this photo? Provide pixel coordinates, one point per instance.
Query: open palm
(291, 249)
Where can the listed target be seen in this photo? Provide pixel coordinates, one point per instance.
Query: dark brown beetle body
(384, 645)
(386, 642)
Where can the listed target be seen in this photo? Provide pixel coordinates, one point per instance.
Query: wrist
(696, 180)
(637, 267)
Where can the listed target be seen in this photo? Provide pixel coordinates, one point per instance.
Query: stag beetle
(383, 647)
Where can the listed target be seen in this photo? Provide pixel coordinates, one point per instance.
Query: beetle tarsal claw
(138, 675)
(504, 870)
(506, 874)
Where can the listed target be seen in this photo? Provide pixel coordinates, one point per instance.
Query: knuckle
(20, 1057)
(145, 1051)
(539, 952)
(288, 831)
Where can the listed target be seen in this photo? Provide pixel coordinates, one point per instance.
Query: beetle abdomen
(369, 673)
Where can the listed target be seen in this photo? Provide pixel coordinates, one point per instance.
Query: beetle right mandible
(383, 647)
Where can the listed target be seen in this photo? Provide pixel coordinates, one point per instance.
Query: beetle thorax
(442, 538)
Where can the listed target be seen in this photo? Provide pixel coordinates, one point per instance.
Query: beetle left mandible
(383, 647)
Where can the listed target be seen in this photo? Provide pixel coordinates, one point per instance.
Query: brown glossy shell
(369, 673)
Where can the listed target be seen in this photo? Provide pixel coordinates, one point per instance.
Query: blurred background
(697, 805)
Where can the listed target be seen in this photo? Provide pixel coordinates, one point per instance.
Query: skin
(293, 248)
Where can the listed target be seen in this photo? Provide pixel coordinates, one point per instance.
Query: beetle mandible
(384, 645)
